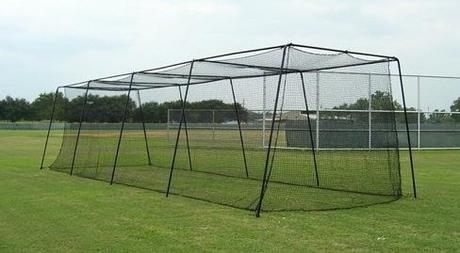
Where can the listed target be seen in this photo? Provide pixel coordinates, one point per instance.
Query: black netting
(333, 140)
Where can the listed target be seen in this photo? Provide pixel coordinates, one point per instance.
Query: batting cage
(290, 127)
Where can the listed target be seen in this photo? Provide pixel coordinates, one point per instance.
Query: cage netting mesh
(328, 149)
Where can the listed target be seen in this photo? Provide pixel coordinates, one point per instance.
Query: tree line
(111, 108)
(383, 101)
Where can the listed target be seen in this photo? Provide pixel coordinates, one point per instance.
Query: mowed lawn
(47, 211)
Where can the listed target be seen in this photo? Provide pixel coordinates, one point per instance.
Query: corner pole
(239, 128)
(186, 132)
(122, 128)
(143, 127)
(184, 101)
(82, 114)
(49, 127)
(414, 187)
(262, 188)
(312, 143)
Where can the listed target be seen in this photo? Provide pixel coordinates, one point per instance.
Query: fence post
(213, 124)
(370, 113)
(264, 104)
(418, 113)
(317, 111)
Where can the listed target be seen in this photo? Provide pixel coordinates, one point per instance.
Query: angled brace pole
(82, 114)
(312, 143)
(49, 127)
(122, 128)
(184, 101)
(186, 132)
(239, 128)
(262, 187)
(143, 127)
(414, 187)
(270, 169)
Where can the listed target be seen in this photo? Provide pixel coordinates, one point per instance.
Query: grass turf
(45, 211)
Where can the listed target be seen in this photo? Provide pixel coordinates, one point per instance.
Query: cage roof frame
(231, 68)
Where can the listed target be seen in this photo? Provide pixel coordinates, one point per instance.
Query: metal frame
(409, 145)
(312, 143)
(143, 127)
(184, 102)
(264, 179)
(239, 128)
(121, 130)
(184, 119)
(272, 71)
(49, 127)
(82, 115)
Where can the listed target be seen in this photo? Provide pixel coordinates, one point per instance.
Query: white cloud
(65, 41)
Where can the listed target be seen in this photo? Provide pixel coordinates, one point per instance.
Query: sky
(48, 43)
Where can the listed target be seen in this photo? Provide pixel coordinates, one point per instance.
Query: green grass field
(47, 211)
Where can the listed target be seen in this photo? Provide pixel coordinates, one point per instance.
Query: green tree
(380, 101)
(455, 107)
(41, 107)
(439, 117)
(15, 109)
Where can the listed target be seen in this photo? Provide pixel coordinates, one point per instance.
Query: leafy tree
(41, 107)
(455, 107)
(439, 117)
(15, 109)
(380, 101)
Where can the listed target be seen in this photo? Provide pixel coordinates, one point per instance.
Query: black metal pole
(186, 132)
(414, 187)
(82, 114)
(184, 101)
(143, 126)
(239, 128)
(262, 188)
(49, 127)
(312, 143)
(122, 128)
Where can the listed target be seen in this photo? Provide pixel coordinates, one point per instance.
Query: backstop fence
(433, 125)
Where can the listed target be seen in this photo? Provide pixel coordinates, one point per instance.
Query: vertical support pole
(82, 114)
(49, 127)
(264, 106)
(419, 111)
(143, 126)
(370, 113)
(239, 128)
(213, 124)
(122, 128)
(312, 143)
(317, 110)
(167, 123)
(184, 101)
(264, 183)
(414, 188)
(186, 131)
